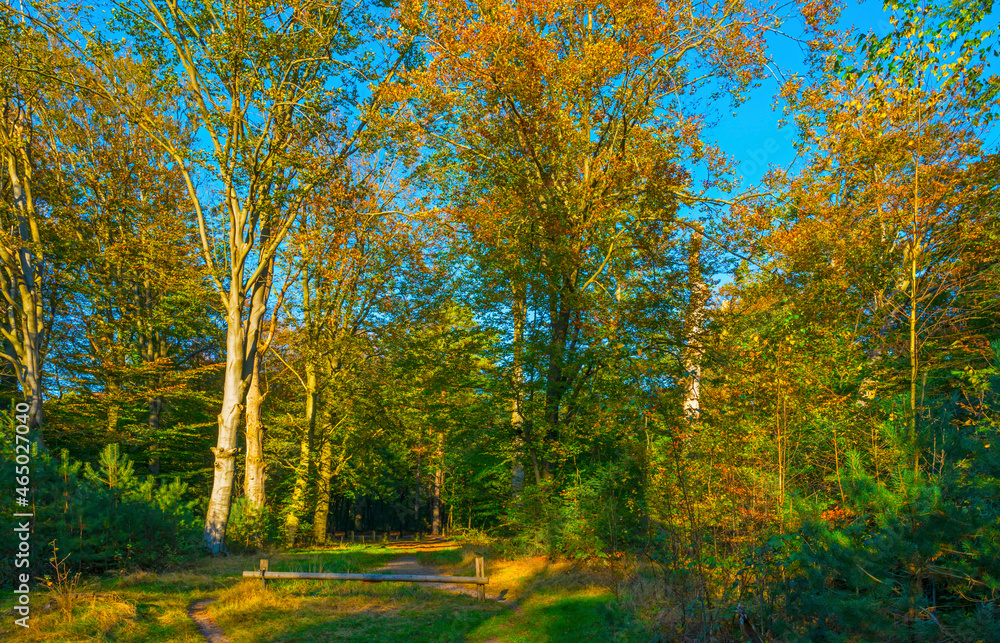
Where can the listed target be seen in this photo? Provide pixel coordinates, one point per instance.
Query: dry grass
(111, 612)
(101, 616)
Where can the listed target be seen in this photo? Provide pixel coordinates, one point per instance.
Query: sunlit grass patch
(553, 615)
(106, 616)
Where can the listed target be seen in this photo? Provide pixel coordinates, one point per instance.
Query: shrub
(105, 519)
(250, 529)
(918, 560)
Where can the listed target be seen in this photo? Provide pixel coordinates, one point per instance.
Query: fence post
(263, 570)
(480, 572)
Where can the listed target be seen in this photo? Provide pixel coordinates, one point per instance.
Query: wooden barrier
(373, 537)
(480, 579)
(481, 571)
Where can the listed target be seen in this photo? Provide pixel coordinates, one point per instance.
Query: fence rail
(377, 578)
(480, 579)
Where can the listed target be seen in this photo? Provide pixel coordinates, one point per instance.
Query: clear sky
(752, 136)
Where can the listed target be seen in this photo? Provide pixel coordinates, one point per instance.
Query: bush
(250, 529)
(105, 519)
(597, 514)
(919, 558)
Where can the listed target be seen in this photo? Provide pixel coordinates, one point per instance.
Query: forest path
(198, 611)
(410, 565)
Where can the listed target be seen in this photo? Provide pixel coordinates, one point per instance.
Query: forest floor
(528, 600)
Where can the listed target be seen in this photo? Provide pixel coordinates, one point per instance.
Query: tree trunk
(255, 476)
(297, 506)
(253, 482)
(438, 484)
(416, 491)
(914, 254)
(230, 418)
(517, 405)
(323, 490)
(24, 326)
(695, 320)
(555, 387)
(241, 354)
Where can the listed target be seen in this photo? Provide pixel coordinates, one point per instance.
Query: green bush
(918, 560)
(250, 529)
(104, 519)
(593, 515)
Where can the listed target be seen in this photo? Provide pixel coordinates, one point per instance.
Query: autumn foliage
(485, 269)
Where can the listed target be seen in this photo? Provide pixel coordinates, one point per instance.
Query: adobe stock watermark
(22, 519)
(756, 161)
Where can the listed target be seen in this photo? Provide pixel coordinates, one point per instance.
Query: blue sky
(752, 137)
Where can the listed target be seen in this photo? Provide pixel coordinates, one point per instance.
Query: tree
(351, 246)
(256, 81)
(562, 134)
(134, 319)
(892, 208)
(29, 198)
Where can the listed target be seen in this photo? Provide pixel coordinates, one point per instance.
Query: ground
(528, 600)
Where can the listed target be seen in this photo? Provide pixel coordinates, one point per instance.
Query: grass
(544, 601)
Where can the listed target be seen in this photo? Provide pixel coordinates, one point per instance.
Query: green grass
(552, 616)
(550, 606)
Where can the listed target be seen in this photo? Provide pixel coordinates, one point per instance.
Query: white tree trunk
(230, 420)
(253, 483)
(241, 354)
(693, 333)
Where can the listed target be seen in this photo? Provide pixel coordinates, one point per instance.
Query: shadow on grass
(412, 622)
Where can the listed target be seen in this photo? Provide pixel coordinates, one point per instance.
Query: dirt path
(410, 565)
(198, 611)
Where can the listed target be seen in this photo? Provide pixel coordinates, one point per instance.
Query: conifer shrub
(101, 518)
(919, 558)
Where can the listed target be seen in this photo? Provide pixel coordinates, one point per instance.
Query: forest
(296, 278)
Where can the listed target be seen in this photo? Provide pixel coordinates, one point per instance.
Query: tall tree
(136, 314)
(351, 246)
(570, 125)
(30, 195)
(257, 82)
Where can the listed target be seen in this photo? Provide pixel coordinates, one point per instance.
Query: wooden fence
(480, 579)
(373, 536)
